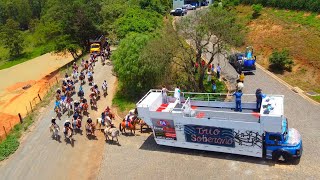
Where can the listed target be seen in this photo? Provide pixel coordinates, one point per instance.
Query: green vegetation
(122, 102)
(12, 38)
(203, 24)
(308, 5)
(300, 17)
(280, 61)
(257, 8)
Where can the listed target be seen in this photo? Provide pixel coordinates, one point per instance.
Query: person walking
(218, 71)
(259, 98)
(213, 85)
(164, 92)
(241, 77)
(177, 94)
(238, 95)
(209, 75)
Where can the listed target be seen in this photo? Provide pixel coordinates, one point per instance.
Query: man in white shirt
(177, 94)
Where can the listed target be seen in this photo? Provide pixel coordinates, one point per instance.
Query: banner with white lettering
(209, 135)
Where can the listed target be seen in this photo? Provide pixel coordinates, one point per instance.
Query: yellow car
(95, 48)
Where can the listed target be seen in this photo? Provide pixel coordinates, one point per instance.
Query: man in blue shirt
(238, 95)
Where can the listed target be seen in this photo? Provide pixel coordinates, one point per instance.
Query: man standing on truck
(259, 98)
(238, 95)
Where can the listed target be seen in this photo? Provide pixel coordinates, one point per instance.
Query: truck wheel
(276, 156)
(287, 157)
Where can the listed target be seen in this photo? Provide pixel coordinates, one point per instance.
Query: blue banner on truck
(209, 135)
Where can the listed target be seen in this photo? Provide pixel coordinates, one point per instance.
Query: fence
(7, 121)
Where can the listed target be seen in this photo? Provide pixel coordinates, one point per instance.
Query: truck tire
(286, 157)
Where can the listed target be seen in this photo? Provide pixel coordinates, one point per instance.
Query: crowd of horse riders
(79, 108)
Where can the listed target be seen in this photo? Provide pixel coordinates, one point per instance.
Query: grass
(11, 143)
(296, 31)
(31, 50)
(122, 102)
(300, 17)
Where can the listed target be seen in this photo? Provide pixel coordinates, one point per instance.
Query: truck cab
(243, 62)
(285, 146)
(95, 48)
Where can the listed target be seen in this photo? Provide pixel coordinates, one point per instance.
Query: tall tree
(12, 38)
(210, 32)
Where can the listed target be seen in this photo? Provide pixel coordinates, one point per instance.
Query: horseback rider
(90, 125)
(58, 91)
(74, 66)
(67, 126)
(104, 85)
(54, 126)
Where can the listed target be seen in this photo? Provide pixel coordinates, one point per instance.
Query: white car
(188, 7)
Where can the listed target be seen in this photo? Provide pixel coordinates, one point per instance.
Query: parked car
(185, 10)
(188, 7)
(177, 12)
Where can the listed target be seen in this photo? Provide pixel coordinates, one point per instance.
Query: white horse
(66, 107)
(75, 75)
(107, 122)
(113, 132)
(55, 131)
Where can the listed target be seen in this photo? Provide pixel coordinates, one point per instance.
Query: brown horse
(142, 124)
(131, 125)
(85, 108)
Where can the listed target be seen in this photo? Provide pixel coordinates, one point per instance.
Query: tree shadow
(150, 145)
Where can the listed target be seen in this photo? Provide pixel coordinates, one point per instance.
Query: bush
(280, 61)
(257, 8)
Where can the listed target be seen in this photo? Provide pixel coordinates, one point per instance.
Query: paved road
(139, 157)
(40, 157)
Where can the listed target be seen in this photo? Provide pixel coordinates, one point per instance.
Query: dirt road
(40, 157)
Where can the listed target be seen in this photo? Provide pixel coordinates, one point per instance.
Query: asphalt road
(41, 157)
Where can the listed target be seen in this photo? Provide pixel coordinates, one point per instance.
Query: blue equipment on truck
(198, 123)
(243, 62)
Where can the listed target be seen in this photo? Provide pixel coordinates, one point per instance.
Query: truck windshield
(95, 46)
(285, 129)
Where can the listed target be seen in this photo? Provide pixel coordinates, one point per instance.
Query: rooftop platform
(213, 106)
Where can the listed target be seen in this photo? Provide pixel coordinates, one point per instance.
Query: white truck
(215, 126)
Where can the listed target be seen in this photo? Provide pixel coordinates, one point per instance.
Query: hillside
(298, 32)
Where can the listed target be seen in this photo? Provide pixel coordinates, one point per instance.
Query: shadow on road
(150, 145)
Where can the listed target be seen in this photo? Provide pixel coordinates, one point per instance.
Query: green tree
(280, 61)
(69, 25)
(210, 32)
(11, 37)
(136, 73)
(137, 20)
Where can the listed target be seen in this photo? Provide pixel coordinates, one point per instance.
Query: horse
(113, 132)
(55, 131)
(107, 121)
(131, 125)
(76, 124)
(105, 90)
(57, 110)
(82, 79)
(90, 79)
(85, 108)
(142, 124)
(68, 134)
(67, 106)
(90, 128)
(75, 75)
(93, 102)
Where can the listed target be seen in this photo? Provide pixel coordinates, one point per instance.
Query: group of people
(238, 94)
(64, 99)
